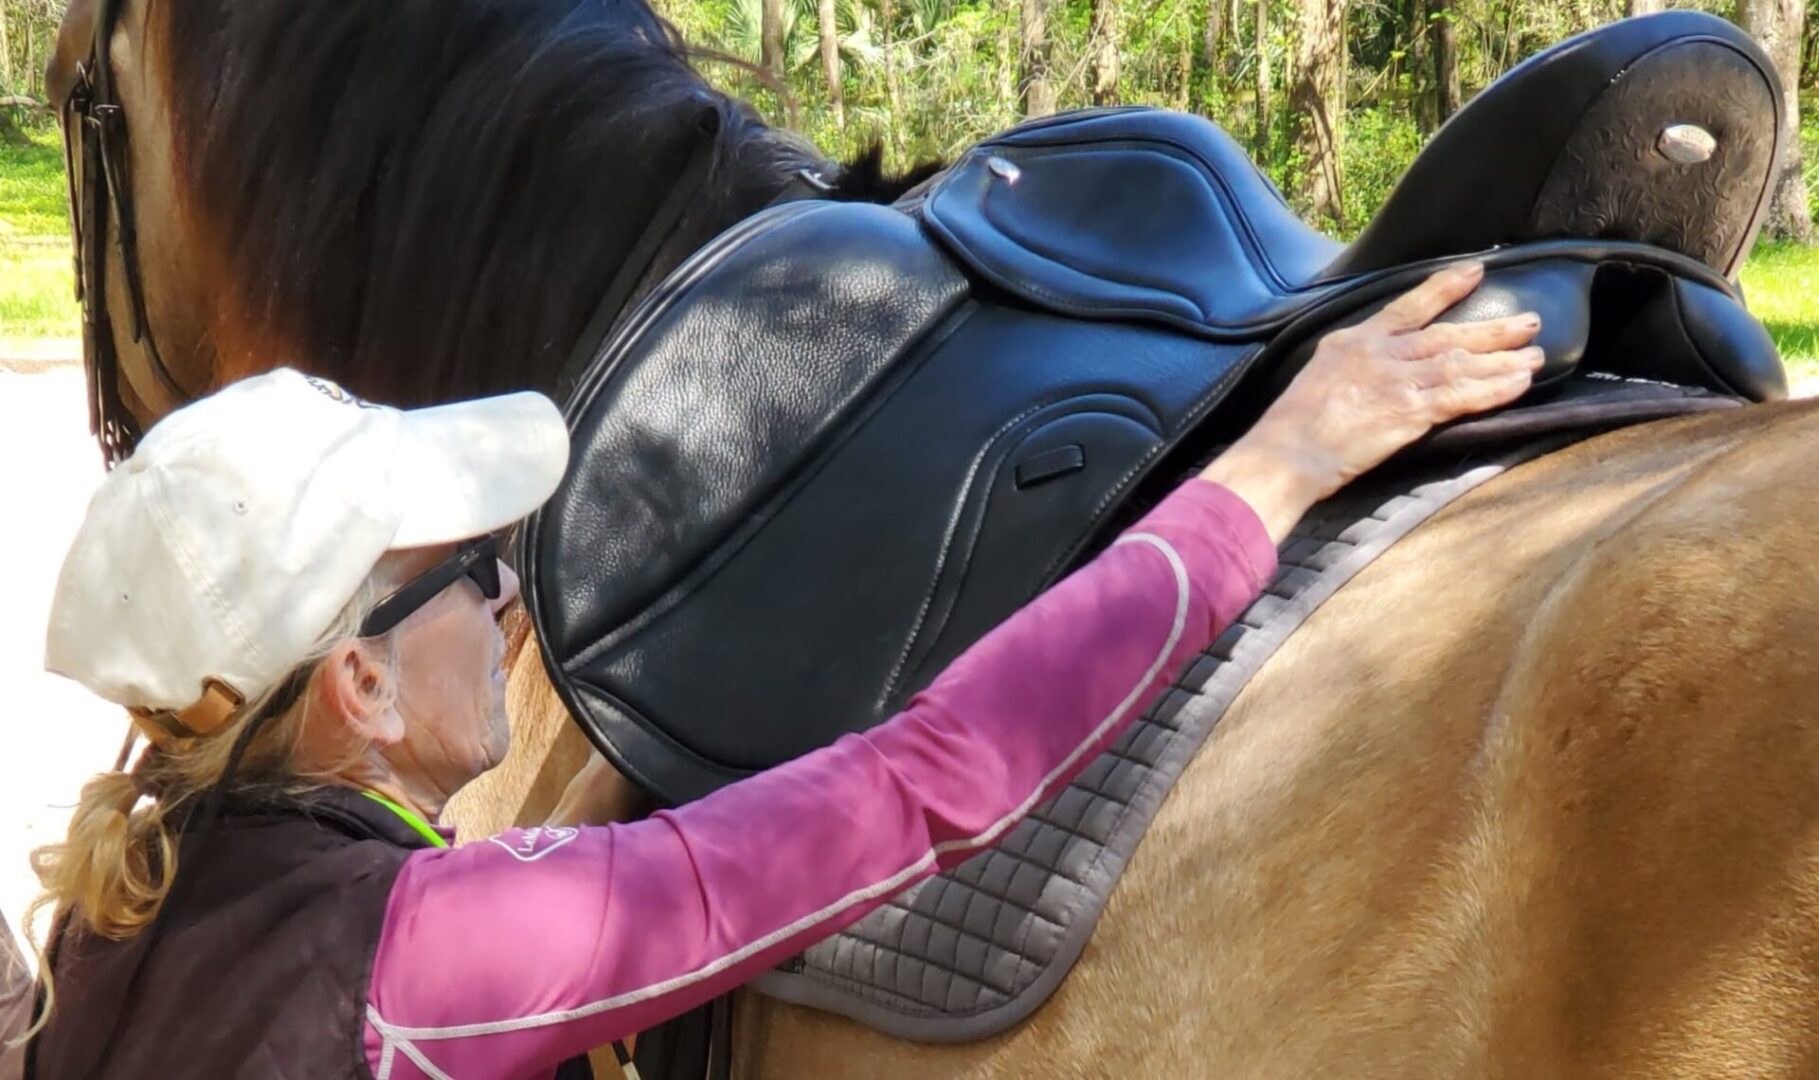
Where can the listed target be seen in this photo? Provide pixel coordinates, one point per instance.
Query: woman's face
(450, 680)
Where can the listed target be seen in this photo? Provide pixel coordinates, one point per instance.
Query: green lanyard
(421, 826)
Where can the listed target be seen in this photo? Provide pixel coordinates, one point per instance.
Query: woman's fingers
(1424, 303)
(1459, 383)
(1458, 365)
(1491, 335)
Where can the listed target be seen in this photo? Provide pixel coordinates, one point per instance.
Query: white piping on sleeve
(416, 1056)
(385, 1056)
(405, 1035)
(393, 1042)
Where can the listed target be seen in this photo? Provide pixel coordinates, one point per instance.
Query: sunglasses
(476, 560)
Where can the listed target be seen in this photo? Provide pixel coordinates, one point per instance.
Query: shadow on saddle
(842, 441)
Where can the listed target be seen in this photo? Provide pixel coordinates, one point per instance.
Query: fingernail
(1536, 356)
(1469, 270)
(1531, 320)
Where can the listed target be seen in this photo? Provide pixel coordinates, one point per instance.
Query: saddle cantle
(842, 441)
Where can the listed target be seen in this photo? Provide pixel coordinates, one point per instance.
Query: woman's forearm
(570, 938)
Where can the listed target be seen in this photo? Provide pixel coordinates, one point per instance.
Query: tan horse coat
(1533, 796)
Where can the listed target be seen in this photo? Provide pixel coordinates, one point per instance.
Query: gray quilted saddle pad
(969, 953)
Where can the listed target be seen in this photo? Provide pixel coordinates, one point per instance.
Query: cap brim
(474, 467)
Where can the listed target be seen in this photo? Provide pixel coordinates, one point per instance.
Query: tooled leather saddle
(842, 441)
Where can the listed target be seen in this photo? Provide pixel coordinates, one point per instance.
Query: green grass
(32, 201)
(36, 280)
(1781, 281)
(36, 291)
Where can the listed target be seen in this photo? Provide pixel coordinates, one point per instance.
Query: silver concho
(1003, 169)
(1686, 144)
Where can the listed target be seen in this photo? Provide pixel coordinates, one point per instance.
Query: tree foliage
(928, 77)
(1333, 119)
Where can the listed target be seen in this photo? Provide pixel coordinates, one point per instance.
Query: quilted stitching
(959, 955)
(976, 936)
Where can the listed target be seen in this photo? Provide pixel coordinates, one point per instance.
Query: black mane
(426, 199)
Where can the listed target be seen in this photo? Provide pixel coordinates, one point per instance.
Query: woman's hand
(1371, 390)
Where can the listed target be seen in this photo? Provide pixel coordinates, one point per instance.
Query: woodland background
(1332, 97)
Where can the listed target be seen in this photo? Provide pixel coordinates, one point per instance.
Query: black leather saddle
(843, 441)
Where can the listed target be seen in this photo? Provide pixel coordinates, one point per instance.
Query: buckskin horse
(1532, 795)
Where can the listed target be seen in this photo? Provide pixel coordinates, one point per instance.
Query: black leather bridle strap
(100, 189)
(636, 265)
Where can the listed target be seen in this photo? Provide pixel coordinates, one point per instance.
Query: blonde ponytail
(113, 870)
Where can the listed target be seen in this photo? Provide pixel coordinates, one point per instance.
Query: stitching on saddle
(949, 537)
(947, 545)
(898, 949)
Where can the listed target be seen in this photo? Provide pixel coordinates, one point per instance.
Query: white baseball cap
(226, 545)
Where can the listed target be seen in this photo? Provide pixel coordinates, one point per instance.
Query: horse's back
(1531, 796)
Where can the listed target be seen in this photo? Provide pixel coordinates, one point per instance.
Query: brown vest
(261, 968)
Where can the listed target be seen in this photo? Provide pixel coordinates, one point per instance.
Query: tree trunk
(1102, 38)
(1214, 35)
(1446, 60)
(830, 60)
(1184, 71)
(6, 52)
(1633, 8)
(1262, 134)
(770, 38)
(1421, 68)
(887, 17)
(1318, 99)
(1778, 25)
(1037, 92)
(1006, 60)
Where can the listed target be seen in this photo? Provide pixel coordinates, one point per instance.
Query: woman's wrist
(1279, 485)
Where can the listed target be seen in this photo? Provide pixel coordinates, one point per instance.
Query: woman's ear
(356, 690)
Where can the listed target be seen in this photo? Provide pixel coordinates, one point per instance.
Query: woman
(286, 573)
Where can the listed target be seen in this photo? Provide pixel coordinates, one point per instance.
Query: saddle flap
(700, 410)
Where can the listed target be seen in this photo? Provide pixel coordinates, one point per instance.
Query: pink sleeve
(505, 957)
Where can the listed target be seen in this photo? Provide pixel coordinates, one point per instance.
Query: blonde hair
(113, 870)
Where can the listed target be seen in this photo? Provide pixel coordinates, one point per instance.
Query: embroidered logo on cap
(334, 391)
(529, 845)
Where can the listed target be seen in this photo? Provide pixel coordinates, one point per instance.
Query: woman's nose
(508, 587)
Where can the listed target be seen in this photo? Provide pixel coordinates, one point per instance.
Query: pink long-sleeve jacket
(504, 957)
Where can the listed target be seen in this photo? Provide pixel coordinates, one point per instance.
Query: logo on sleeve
(529, 845)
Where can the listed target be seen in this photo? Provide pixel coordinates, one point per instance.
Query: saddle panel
(1574, 142)
(1129, 213)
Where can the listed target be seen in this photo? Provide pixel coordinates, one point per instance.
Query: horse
(1530, 796)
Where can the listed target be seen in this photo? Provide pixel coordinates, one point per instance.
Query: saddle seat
(1601, 137)
(842, 441)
